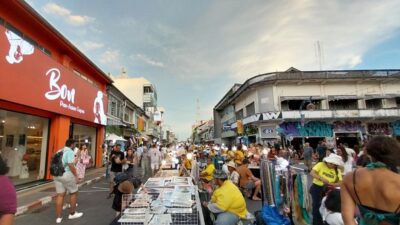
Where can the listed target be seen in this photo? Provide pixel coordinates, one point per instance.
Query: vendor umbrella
(114, 137)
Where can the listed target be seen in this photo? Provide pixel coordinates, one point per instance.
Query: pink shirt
(8, 196)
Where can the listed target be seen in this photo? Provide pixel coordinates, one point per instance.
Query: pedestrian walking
(321, 150)
(307, 155)
(131, 160)
(8, 196)
(155, 159)
(83, 161)
(146, 163)
(117, 159)
(67, 182)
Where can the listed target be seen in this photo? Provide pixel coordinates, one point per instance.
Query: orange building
(49, 91)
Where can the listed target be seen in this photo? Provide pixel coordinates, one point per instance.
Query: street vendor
(207, 174)
(186, 165)
(227, 201)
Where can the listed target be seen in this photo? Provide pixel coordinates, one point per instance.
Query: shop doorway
(297, 142)
(350, 139)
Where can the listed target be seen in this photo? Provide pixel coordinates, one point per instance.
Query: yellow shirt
(230, 199)
(210, 172)
(188, 164)
(324, 171)
(239, 156)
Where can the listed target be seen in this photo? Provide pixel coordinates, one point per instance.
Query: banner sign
(262, 117)
(30, 77)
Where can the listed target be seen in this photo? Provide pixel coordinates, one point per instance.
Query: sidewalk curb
(48, 199)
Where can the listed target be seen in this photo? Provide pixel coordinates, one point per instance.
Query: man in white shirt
(155, 158)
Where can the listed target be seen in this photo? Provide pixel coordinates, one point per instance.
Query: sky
(198, 49)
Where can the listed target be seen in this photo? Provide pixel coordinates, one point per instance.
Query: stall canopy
(114, 137)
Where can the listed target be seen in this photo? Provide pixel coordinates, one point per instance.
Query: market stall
(165, 199)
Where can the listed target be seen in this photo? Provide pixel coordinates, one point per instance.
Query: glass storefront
(23, 145)
(85, 135)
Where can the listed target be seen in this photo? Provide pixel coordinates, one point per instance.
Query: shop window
(85, 135)
(147, 89)
(23, 145)
(113, 108)
(295, 105)
(373, 103)
(343, 104)
(250, 109)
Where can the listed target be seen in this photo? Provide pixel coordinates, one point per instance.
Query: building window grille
(343, 104)
(374, 103)
(250, 109)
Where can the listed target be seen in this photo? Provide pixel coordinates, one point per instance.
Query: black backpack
(56, 166)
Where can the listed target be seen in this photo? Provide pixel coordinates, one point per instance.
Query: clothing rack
(287, 190)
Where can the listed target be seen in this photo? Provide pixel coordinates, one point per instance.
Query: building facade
(49, 92)
(346, 107)
(124, 116)
(144, 94)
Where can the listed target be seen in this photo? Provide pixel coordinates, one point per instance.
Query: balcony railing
(331, 114)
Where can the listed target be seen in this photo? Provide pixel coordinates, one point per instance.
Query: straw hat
(334, 159)
(231, 164)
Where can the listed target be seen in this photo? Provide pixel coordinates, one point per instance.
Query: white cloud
(66, 14)
(111, 57)
(266, 36)
(355, 60)
(149, 60)
(90, 45)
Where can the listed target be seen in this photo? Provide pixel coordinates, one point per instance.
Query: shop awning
(288, 98)
(343, 97)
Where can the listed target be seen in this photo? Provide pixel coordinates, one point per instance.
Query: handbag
(86, 160)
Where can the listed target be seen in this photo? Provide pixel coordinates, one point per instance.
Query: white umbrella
(114, 137)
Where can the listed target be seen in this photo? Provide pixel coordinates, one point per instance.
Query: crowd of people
(349, 186)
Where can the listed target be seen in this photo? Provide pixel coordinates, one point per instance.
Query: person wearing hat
(233, 174)
(227, 201)
(325, 174)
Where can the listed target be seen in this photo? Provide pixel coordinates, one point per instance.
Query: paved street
(91, 201)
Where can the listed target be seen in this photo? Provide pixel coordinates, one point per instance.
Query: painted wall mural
(310, 129)
(379, 129)
(348, 126)
(396, 127)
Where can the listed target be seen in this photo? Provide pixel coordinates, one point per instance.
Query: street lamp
(310, 106)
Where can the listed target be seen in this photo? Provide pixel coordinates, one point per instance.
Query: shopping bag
(271, 216)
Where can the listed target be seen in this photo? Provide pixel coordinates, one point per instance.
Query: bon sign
(29, 77)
